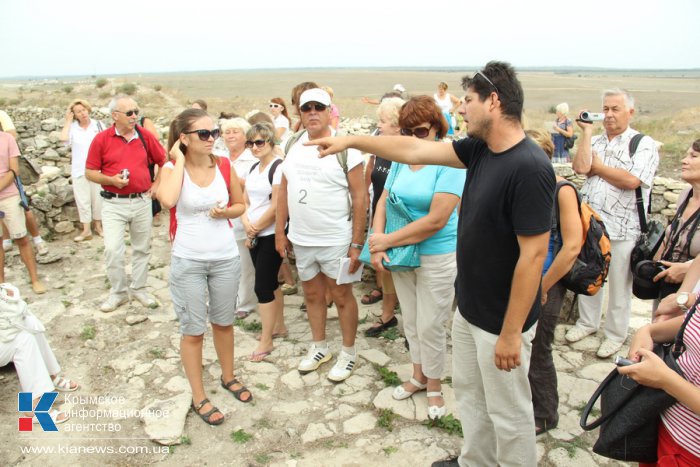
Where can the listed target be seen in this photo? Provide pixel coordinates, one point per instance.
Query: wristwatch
(682, 301)
(356, 245)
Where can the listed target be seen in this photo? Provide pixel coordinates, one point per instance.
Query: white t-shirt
(242, 166)
(283, 122)
(79, 140)
(257, 185)
(318, 196)
(200, 237)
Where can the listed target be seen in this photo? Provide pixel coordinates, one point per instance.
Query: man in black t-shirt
(502, 243)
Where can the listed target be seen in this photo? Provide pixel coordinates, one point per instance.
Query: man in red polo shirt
(118, 160)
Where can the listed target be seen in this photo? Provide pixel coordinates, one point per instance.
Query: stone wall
(46, 167)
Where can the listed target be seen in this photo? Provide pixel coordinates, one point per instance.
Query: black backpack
(271, 173)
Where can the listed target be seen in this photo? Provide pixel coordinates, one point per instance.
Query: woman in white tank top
(447, 103)
(205, 264)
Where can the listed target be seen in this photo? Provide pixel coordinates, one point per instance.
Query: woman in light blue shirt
(431, 194)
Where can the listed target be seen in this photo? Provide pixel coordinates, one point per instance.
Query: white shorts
(314, 259)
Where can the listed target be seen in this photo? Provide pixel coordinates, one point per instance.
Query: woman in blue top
(431, 194)
(563, 128)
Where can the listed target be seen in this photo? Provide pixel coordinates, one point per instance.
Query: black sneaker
(374, 331)
(450, 462)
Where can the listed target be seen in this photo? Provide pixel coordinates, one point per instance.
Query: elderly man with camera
(613, 175)
(118, 160)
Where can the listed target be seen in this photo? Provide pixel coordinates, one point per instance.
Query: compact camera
(590, 117)
(125, 174)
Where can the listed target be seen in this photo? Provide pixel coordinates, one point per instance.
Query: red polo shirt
(110, 153)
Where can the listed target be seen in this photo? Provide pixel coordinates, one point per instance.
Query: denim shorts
(201, 288)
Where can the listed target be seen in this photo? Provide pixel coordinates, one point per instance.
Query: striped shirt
(681, 422)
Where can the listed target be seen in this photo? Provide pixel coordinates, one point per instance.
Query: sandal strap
(228, 385)
(417, 384)
(434, 394)
(199, 406)
(61, 382)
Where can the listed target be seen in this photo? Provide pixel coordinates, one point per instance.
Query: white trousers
(33, 359)
(116, 215)
(619, 287)
(495, 406)
(426, 296)
(87, 199)
(247, 301)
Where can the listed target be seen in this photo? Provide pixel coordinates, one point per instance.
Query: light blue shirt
(416, 190)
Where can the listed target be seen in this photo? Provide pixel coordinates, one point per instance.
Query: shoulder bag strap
(634, 144)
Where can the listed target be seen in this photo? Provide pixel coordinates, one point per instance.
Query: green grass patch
(386, 419)
(157, 352)
(265, 423)
(447, 423)
(240, 436)
(389, 450)
(572, 446)
(185, 440)
(391, 334)
(262, 386)
(88, 332)
(390, 378)
(250, 326)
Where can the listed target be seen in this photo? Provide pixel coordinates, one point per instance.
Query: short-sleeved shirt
(6, 122)
(79, 140)
(618, 207)
(8, 149)
(318, 196)
(259, 190)
(417, 188)
(110, 153)
(507, 194)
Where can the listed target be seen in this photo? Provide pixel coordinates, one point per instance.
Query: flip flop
(236, 392)
(259, 357)
(372, 297)
(275, 335)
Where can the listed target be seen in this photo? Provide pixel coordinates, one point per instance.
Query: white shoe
(577, 333)
(400, 393)
(113, 302)
(435, 412)
(314, 358)
(608, 347)
(58, 417)
(144, 298)
(7, 245)
(41, 248)
(343, 367)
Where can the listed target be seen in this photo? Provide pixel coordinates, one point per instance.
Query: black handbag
(630, 412)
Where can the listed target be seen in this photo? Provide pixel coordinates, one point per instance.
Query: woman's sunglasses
(204, 135)
(258, 142)
(316, 106)
(419, 132)
(274, 106)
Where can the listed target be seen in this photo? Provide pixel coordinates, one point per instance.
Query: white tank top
(199, 237)
(445, 103)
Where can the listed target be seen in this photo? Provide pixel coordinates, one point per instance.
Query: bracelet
(356, 245)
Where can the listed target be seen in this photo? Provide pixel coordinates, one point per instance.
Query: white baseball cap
(315, 95)
(399, 87)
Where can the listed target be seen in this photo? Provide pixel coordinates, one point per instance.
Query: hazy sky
(81, 37)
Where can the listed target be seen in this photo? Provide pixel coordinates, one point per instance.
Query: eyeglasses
(488, 80)
(318, 107)
(420, 132)
(129, 113)
(274, 106)
(258, 142)
(204, 135)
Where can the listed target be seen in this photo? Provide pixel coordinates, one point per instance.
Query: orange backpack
(590, 270)
(224, 165)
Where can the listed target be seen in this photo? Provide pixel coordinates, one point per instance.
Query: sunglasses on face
(204, 135)
(274, 106)
(258, 142)
(419, 132)
(315, 105)
(129, 113)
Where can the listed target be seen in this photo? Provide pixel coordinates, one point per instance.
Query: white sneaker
(41, 248)
(577, 333)
(342, 368)
(113, 302)
(144, 298)
(314, 358)
(608, 347)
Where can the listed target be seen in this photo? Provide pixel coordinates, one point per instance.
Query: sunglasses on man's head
(129, 113)
(419, 132)
(258, 142)
(318, 107)
(274, 106)
(204, 135)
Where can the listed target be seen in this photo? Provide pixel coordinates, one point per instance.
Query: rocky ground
(130, 357)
